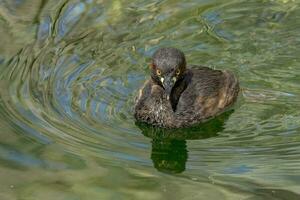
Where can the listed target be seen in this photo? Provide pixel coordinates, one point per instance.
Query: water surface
(69, 71)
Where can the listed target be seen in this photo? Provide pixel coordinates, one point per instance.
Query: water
(69, 71)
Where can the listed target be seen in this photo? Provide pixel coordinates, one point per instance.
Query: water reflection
(69, 71)
(169, 156)
(169, 147)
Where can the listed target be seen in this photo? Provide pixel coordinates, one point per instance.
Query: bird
(179, 95)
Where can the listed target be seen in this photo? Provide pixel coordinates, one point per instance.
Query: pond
(69, 72)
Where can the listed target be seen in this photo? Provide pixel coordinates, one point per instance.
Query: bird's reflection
(169, 147)
(169, 156)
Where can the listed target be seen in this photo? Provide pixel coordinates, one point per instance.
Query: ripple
(74, 86)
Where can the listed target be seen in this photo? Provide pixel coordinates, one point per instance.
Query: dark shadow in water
(169, 148)
(169, 156)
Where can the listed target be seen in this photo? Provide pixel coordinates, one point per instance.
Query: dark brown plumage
(178, 97)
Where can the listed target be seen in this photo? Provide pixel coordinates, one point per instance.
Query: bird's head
(167, 67)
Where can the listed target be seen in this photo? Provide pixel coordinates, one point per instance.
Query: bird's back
(208, 93)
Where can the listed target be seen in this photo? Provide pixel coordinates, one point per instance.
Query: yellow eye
(177, 72)
(158, 72)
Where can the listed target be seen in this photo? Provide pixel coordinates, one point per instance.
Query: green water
(69, 71)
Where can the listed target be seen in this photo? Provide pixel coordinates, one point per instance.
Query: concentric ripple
(72, 100)
(72, 85)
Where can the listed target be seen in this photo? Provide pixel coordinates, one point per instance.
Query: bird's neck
(179, 87)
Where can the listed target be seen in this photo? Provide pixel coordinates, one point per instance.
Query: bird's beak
(168, 85)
